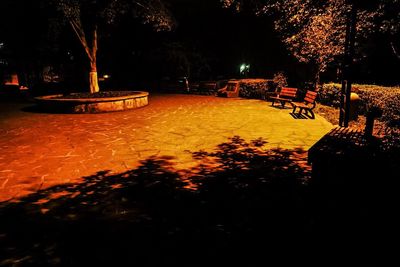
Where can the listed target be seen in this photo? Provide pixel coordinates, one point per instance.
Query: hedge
(255, 88)
(385, 98)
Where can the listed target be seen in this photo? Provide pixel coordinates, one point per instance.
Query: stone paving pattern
(41, 150)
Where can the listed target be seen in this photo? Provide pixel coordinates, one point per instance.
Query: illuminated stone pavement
(41, 150)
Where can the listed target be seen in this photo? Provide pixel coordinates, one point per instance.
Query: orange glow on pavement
(40, 151)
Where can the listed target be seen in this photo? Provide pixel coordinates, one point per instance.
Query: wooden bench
(307, 105)
(230, 90)
(287, 94)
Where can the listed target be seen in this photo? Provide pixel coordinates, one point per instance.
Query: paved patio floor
(41, 150)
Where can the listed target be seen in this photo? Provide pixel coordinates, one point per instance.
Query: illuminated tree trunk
(93, 80)
(91, 52)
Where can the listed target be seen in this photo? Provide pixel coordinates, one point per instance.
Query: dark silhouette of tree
(241, 203)
(389, 23)
(86, 17)
(24, 40)
(315, 31)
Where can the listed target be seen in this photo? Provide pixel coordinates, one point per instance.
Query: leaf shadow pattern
(240, 204)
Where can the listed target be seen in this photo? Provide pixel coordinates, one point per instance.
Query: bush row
(249, 88)
(255, 88)
(329, 95)
(371, 96)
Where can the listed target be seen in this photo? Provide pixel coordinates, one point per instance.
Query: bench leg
(312, 114)
(272, 103)
(294, 109)
(283, 104)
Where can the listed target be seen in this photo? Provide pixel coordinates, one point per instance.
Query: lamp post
(347, 64)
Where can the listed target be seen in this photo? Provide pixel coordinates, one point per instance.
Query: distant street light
(244, 69)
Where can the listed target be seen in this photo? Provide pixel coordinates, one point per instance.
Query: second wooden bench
(287, 94)
(307, 105)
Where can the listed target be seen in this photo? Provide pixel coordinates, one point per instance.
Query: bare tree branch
(94, 45)
(395, 52)
(81, 35)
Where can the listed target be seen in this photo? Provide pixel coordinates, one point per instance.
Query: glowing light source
(244, 69)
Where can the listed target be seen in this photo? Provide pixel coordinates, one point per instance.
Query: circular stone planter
(65, 104)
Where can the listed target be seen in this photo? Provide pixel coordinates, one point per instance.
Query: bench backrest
(310, 97)
(232, 86)
(288, 92)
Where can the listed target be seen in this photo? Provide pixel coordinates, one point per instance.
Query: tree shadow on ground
(241, 204)
(355, 187)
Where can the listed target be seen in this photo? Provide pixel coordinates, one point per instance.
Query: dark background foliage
(208, 42)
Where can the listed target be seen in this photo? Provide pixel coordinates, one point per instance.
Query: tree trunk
(91, 52)
(93, 80)
(347, 72)
(394, 50)
(317, 79)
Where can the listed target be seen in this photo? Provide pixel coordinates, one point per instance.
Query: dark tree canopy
(87, 16)
(314, 31)
(153, 12)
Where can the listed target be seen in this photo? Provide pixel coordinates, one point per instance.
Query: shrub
(329, 94)
(253, 88)
(280, 79)
(385, 98)
(205, 87)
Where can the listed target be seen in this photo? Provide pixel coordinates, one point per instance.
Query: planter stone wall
(57, 103)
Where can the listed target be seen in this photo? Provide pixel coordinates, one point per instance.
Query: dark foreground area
(241, 205)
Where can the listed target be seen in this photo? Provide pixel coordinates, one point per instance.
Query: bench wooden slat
(288, 91)
(310, 96)
(309, 99)
(285, 95)
(288, 94)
